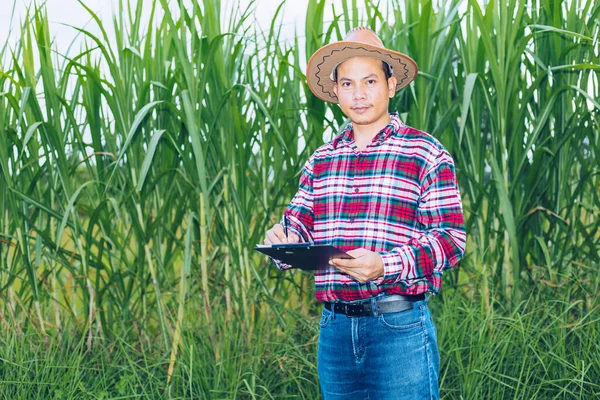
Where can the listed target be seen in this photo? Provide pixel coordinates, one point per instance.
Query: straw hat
(359, 42)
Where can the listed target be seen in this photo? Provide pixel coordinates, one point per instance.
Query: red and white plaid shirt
(398, 196)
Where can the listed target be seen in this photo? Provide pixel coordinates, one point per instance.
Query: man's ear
(335, 89)
(392, 82)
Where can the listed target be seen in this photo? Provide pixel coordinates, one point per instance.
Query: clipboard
(306, 256)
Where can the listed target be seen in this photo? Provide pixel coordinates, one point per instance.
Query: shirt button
(356, 190)
(351, 220)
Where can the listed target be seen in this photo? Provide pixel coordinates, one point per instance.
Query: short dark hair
(386, 70)
(385, 66)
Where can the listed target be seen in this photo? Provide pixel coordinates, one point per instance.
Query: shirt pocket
(331, 190)
(394, 199)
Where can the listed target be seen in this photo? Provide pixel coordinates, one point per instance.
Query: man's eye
(371, 81)
(345, 84)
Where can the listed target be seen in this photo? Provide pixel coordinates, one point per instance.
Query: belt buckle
(354, 310)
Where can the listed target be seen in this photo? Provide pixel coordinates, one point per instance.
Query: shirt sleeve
(299, 211)
(441, 241)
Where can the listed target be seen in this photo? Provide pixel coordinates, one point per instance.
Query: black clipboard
(304, 256)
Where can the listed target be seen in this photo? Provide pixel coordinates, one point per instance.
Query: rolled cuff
(392, 266)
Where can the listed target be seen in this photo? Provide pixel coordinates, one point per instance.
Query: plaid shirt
(398, 197)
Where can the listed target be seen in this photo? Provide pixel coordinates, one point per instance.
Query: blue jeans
(386, 356)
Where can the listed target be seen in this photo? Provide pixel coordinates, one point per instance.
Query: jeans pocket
(406, 319)
(325, 318)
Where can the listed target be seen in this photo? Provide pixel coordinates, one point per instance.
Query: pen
(285, 225)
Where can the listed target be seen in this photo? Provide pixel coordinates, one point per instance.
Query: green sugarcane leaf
(508, 218)
(156, 135)
(69, 209)
(548, 28)
(28, 136)
(187, 253)
(469, 85)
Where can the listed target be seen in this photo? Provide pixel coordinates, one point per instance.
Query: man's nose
(359, 92)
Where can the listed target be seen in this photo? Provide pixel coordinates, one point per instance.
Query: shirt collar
(346, 136)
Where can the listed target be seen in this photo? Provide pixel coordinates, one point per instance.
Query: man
(386, 194)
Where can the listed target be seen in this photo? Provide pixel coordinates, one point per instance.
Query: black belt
(391, 304)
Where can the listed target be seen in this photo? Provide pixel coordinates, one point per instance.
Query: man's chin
(361, 119)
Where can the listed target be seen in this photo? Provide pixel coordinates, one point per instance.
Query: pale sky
(70, 12)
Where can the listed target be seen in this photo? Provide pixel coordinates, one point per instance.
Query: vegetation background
(137, 175)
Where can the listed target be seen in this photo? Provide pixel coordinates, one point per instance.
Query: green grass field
(538, 351)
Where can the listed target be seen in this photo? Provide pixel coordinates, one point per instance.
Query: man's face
(363, 92)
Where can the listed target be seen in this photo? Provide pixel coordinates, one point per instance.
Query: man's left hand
(366, 266)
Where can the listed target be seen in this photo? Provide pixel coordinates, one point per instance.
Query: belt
(391, 304)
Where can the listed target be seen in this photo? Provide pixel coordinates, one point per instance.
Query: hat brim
(328, 57)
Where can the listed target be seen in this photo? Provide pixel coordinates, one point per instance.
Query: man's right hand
(276, 235)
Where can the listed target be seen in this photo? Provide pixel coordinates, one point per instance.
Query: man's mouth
(361, 108)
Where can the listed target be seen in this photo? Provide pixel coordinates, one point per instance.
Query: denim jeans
(386, 356)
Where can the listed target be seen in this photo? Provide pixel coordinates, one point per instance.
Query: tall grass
(527, 353)
(138, 173)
